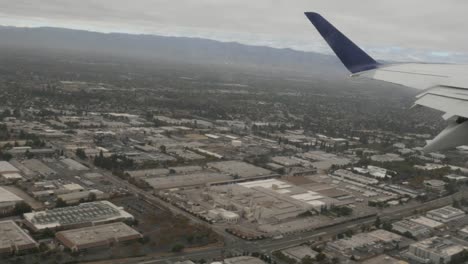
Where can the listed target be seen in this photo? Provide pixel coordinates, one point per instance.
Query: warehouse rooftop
(8, 197)
(94, 212)
(96, 235)
(14, 238)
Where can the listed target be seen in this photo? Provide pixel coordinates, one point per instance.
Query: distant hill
(180, 49)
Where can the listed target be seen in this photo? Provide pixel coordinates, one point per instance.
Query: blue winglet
(353, 57)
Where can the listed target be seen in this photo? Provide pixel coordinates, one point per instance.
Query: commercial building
(239, 169)
(176, 181)
(6, 167)
(85, 214)
(435, 185)
(415, 229)
(366, 242)
(435, 250)
(345, 174)
(224, 215)
(13, 239)
(388, 157)
(456, 178)
(8, 200)
(383, 259)
(77, 197)
(243, 260)
(299, 252)
(431, 224)
(97, 236)
(463, 232)
(9, 173)
(446, 214)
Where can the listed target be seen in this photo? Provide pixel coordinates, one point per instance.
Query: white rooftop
(7, 196)
(6, 166)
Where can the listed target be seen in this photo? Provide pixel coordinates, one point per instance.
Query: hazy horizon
(398, 31)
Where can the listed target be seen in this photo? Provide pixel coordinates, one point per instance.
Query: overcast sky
(434, 30)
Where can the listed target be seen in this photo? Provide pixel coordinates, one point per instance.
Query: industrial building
(224, 215)
(367, 243)
(456, 178)
(345, 174)
(415, 229)
(85, 214)
(431, 224)
(383, 259)
(435, 250)
(9, 173)
(8, 200)
(388, 157)
(6, 167)
(463, 232)
(299, 252)
(446, 214)
(97, 236)
(435, 185)
(243, 260)
(74, 165)
(13, 239)
(239, 169)
(176, 181)
(77, 197)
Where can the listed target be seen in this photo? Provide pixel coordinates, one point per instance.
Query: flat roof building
(239, 168)
(85, 214)
(8, 200)
(6, 167)
(435, 185)
(13, 239)
(446, 214)
(432, 224)
(383, 259)
(97, 236)
(243, 260)
(435, 250)
(456, 178)
(77, 197)
(193, 179)
(299, 252)
(415, 229)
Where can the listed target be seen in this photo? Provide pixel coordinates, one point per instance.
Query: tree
(320, 257)
(163, 149)
(80, 153)
(377, 222)
(28, 154)
(60, 203)
(307, 260)
(21, 208)
(92, 197)
(177, 248)
(349, 233)
(48, 232)
(43, 247)
(387, 226)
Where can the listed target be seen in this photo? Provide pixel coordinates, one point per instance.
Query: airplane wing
(445, 85)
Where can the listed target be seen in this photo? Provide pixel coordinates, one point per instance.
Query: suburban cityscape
(205, 156)
(150, 176)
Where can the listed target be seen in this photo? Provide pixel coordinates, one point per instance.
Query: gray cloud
(397, 29)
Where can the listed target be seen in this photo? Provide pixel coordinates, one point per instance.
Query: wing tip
(353, 57)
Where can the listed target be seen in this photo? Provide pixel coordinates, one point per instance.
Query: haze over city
(401, 30)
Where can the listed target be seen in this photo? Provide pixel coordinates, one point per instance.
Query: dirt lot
(164, 229)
